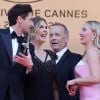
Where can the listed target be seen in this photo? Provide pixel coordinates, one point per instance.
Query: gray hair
(66, 32)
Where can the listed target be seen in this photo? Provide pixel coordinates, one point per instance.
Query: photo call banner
(72, 13)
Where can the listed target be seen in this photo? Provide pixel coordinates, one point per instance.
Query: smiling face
(40, 31)
(58, 39)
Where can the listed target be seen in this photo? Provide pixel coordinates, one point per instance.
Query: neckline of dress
(81, 62)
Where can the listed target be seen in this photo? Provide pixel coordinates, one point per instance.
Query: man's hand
(24, 60)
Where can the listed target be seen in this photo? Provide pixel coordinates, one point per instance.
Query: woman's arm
(93, 58)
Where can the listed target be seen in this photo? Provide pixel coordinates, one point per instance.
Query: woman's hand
(71, 87)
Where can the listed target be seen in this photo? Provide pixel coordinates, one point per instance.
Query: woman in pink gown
(87, 71)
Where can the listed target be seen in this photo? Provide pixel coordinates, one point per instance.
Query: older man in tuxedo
(12, 73)
(66, 61)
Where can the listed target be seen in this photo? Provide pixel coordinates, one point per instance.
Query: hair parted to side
(36, 21)
(95, 27)
(66, 32)
(18, 10)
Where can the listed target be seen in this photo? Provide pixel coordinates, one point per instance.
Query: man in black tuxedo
(66, 61)
(12, 73)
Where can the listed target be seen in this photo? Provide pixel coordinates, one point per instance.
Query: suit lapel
(65, 56)
(7, 42)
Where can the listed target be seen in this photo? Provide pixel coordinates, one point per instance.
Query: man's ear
(19, 19)
(67, 39)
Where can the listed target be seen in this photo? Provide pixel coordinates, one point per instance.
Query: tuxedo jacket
(66, 72)
(11, 73)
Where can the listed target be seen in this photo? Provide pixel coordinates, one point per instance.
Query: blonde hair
(36, 21)
(95, 27)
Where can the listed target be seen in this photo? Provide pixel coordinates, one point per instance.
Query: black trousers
(7, 96)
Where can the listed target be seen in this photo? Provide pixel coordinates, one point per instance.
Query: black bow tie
(14, 35)
(20, 39)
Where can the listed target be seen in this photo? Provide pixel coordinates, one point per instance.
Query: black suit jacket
(66, 72)
(11, 74)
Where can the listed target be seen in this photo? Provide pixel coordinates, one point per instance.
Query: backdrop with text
(72, 13)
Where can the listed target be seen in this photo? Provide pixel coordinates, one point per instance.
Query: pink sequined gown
(91, 92)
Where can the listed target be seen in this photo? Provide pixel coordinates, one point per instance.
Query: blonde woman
(87, 71)
(39, 85)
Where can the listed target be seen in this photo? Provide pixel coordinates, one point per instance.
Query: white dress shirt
(60, 54)
(14, 43)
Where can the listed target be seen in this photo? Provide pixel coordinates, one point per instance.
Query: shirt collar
(11, 30)
(61, 52)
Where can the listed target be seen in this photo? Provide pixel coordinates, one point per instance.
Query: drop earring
(93, 38)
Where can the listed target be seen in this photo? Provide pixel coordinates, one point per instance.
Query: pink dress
(91, 92)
